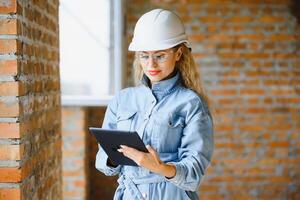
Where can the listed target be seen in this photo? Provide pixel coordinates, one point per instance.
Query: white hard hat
(157, 30)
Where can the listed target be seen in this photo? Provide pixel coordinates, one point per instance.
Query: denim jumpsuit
(176, 122)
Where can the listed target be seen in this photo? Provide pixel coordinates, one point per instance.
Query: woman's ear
(178, 54)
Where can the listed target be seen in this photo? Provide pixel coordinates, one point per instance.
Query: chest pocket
(126, 120)
(167, 132)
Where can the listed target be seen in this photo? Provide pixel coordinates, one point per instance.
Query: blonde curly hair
(187, 68)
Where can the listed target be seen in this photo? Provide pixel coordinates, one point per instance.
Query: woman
(168, 110)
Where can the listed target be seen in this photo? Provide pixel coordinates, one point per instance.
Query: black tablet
(110, 141)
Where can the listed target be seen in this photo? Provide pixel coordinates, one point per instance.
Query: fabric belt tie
(126, 182)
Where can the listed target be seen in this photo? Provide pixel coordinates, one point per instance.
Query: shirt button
(144, 195)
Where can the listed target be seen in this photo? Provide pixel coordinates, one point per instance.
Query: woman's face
(158, 65)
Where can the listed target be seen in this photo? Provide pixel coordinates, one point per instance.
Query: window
(90, 51)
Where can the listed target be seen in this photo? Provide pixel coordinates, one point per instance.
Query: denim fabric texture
(176, 122)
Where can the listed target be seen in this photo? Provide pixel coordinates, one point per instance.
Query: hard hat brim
(156, 47)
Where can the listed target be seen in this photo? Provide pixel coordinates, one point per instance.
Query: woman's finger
(154, 154)
(131, 153)
(151, 151)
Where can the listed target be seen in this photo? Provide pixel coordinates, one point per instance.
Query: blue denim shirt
(176, 122)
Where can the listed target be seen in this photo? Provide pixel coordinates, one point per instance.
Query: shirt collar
(164, 86)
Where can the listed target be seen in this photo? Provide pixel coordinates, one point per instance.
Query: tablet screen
(110, 141)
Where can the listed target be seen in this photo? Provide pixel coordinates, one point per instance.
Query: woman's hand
(150, 160)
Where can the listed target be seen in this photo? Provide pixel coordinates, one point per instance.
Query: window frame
(116, 62)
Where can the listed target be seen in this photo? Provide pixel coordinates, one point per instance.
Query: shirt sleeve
(109, 122)
(194, 153)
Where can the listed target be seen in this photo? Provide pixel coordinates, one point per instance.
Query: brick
(240, 162)
(209, 188)
(10, 194)
(295, 100)
(71, 173)
(261, 171)
(279, 179)
(257, 73)
(253, 101)
(228, 82)
(8, 6)
(11, 152)
(8, 26)
(73, 194)
(232, 46)
(231, 74)
(9, 109)
(252, 128)
(197, 38)
(271, 19)
(228, 101)
(11, 88)
(250, 82)
(281, 37)
(11, 175)
(80, 184)
(229, 145)
(222, 179)
(284, 126)
(9, 130)
(221, 38)
(229, 55)
(252, 91)
(224, 127)
(269, 46)
(212, 29)
(211, 19)
(279, 144)
(281, 109)
(256, 110)
(285, 55)
(255, 55)
(240, 19)
(200, 55)
(72, 153)
(74, 133)
(286, 91)
(276, 82)
(224, 92)
(8, 46)
(237, 187)
(268, 162)
(8, 67)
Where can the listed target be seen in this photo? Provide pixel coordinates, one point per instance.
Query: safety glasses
(159, 57)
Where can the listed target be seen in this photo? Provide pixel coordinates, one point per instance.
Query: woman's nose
(152, 62)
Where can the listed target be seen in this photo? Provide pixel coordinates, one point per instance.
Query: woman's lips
(153, 72)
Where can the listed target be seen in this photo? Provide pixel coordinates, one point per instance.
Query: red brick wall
(248, 56)
(248, 53)
(81, 180)
(75, 153)
(101, 187)
(30, 125)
